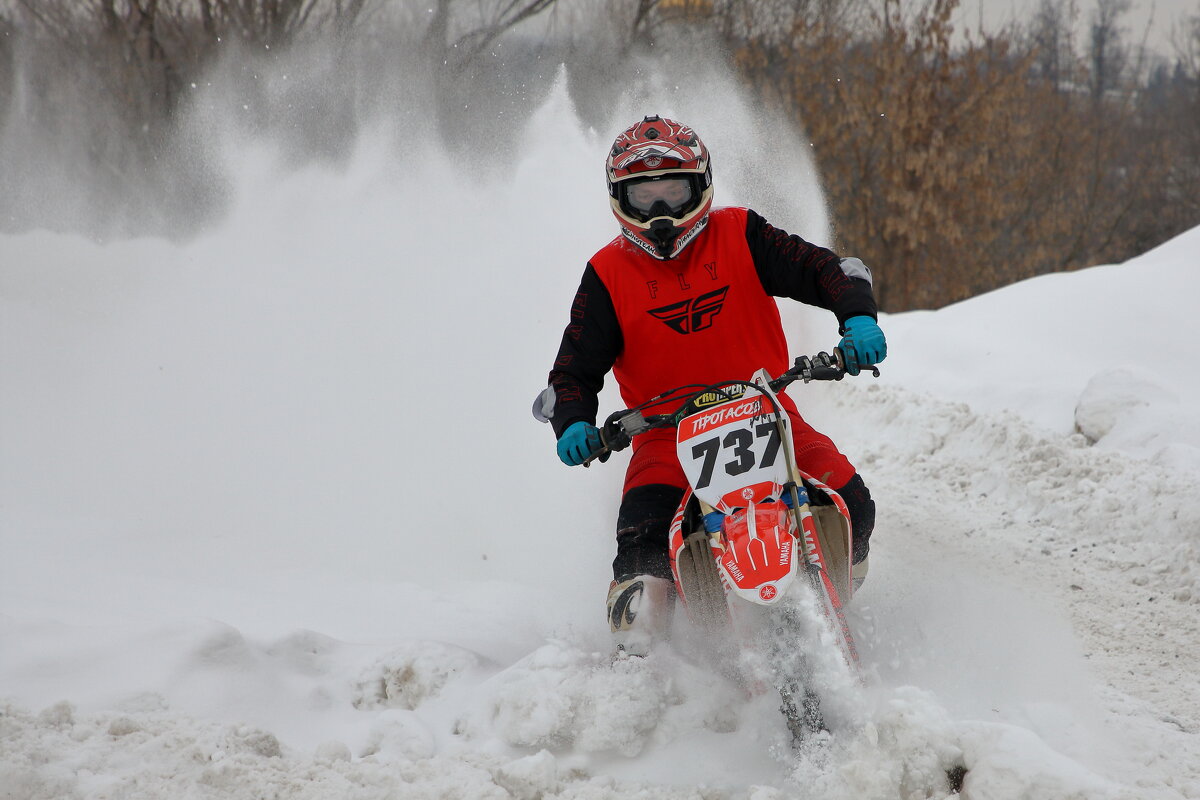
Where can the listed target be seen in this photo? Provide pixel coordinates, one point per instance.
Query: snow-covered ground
(275, 520)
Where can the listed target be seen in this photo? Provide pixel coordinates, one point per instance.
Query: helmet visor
(669, 196)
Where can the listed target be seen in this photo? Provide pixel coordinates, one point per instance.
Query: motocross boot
(639, 613)
(858, 572)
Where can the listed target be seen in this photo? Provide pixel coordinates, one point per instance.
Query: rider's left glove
(578, 442)
(862, 344)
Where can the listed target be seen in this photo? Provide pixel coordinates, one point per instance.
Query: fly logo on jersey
(696, 314)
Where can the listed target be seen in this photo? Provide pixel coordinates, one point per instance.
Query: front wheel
(801, 709)
(793, 675)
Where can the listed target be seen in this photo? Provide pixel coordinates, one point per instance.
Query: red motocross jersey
(701, 317)
(706, 316)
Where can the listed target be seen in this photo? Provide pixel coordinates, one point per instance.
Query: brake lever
(840, 358)
(617, 434)
(601, 454)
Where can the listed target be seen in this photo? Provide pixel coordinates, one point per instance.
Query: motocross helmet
(660, 185)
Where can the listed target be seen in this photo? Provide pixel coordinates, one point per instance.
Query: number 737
(741, 442)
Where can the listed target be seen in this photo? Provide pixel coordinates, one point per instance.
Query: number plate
(730, 452)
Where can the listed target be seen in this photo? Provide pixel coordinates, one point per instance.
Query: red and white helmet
(660, 185)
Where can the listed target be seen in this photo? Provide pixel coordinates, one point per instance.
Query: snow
(275, 520)
(1059, 353)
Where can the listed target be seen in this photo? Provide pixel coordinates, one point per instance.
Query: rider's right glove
(578, 442)
(863, 344)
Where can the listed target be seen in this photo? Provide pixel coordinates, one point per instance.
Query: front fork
(814, 559)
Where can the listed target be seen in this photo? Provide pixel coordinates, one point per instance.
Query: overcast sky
(1160, 15)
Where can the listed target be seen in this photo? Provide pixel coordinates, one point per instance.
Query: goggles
(671, 196)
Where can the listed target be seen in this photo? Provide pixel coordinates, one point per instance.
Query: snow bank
(1071, 349)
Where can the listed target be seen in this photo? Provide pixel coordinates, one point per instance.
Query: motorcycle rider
(685, 296)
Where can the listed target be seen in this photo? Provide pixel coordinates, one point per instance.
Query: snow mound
(560, 696)
(912, 749)
(407, 676)
(1123, 410)
(1113, 396)
(1139, 519)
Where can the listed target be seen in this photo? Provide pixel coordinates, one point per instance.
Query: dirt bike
(752, 529)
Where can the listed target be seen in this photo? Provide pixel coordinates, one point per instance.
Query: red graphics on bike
(758, 549)
(816, 554)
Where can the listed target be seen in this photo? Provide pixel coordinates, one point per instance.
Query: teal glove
(578, 442)
(863, 344)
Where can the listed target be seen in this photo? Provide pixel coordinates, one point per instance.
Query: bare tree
(1052, 28)
(1108, 52)
(1182, 106)
(104, 82)
(459, 39)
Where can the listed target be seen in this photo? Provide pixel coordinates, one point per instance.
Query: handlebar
(621, 426)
